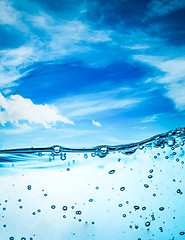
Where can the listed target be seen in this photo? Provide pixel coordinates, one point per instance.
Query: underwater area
(130, 192)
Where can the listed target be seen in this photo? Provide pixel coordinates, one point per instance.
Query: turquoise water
(133, 191)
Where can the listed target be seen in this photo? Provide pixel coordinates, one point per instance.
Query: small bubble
(90, 200)
(161, 229)
(166, 157)
(177, 159)
(68, 169)
(4, 225)
(29, 187)
(53, 206)
(64, 216)
(143, 208)
(20, 207)
(93, 223)
(39, 154)
(122, 189)
(4, 209)
(124, 215)
(120, 205)
(111, 171)
(97, 187)
(78, 212)
(11, 238)
(182, 233)
(19, 200)
(45, 194)
(23, 238)
(6, 201)
(147, 224)
(39, 210)
(33, 213)
(85, 156)
(136, 207)
(151, 171)
(150, 176)
(64, 208)
(136, 227)
(146, 185)
(161, 208)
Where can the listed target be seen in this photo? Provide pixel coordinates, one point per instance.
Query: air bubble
(161, 208)
(102, 151)
(136, 207)
(29, 187)
(64, 208)
(147, 224)
(122, 189)
(63, 156)
(111, 171)
(57, 149)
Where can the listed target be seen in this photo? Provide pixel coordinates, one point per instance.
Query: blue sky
(83, 73)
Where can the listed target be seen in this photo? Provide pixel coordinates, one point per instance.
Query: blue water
(133, 191)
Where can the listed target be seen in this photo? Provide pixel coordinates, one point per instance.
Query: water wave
(171, 138)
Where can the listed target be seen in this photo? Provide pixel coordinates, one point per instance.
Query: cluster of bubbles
(174, 140)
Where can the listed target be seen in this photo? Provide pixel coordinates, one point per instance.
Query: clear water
(133, 191)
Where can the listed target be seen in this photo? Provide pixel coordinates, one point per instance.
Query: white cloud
(8, 14)
(97, 124)
(164, 7)
(172, 77)
(18, 110)
(88, 104)
(47, 40)
(150, 118)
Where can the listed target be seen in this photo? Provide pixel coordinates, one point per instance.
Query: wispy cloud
(97, 124)
(172, 76)
(152, 118)
(46, 40)
(164, 7)
(93, 103)
(18, 110)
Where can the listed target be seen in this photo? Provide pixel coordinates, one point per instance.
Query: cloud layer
(18, 111)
